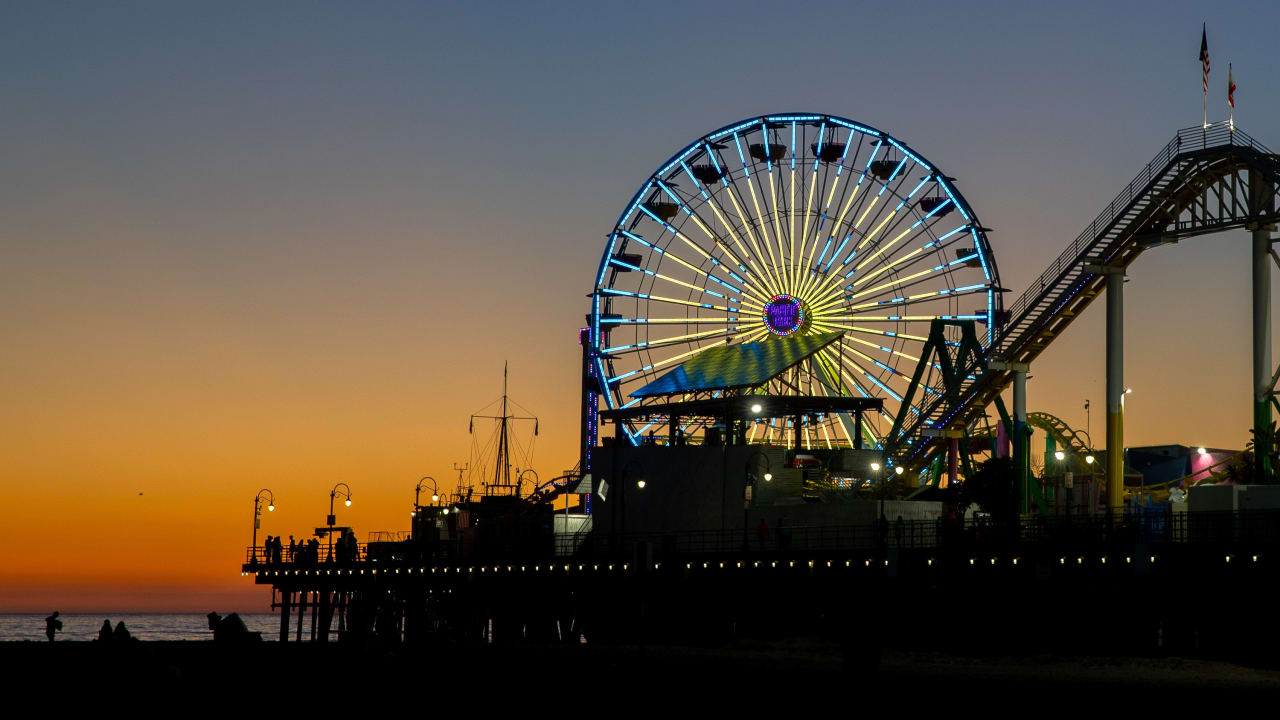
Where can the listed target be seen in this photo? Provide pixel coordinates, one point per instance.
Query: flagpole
(1231, 103)
(1204, 70)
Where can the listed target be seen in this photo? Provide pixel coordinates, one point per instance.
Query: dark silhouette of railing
(1073, 536)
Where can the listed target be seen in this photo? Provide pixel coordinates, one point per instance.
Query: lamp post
(435, 495)
(748, 489)
(346, 493)
(882, 527)
(257, 517)
(520, 480)
(622, 497)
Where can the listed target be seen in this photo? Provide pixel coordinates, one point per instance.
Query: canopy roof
(728, 367)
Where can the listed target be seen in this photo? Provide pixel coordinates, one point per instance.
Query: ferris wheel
(786, 225)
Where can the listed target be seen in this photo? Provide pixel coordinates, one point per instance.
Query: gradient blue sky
(286, 244)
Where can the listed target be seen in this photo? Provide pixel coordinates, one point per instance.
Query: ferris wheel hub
(785, 315)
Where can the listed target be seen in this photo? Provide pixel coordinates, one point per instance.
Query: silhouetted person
(762, 533)
(104, 635)
(293, 549)
(231, 629)
(899, 528)
(121, 634)
(266, 550)
(52, 625)
(278, 548)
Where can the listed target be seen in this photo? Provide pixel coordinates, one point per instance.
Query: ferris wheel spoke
(764, 224)
(752, 281)
(628, 267)
(882, 221)
(772, 281)
(649, 344)
(908, 259)
(925, 297)
(712, 200)
(691, 244)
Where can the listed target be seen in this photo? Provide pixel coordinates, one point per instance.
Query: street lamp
(622, 496)
(748, 490)
(882, 524)
(520, 480)
(257, 517)
(435, 494)
(346, 493)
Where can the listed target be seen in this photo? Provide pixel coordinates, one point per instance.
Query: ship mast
(502, 483)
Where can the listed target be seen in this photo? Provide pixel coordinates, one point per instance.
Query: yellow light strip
(791, 223)
(668, 341)
(881, 250)
(777, 232)
(855, 328)
(775, 281)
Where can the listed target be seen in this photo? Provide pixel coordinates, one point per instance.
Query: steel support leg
(1115, 390)
(1261, 350)
(953, 460)
(1021, 446)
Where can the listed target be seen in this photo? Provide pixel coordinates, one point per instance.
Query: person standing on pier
(52, 625)
(293, 549)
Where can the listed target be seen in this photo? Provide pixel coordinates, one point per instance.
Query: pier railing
(1120, 533)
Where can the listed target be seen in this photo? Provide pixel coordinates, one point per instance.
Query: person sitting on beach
(121, 634)
(231, 629)
(104, 635)
(52, 625)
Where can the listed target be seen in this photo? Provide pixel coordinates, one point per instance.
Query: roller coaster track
(1205, 180)
(1058, 429)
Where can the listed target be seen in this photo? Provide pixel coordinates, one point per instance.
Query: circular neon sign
(784, 315)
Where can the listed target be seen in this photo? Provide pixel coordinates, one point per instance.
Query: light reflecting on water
(142, 626)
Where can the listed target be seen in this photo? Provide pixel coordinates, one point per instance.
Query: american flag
(1204, 57)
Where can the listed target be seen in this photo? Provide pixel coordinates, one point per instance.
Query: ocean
(144, 626)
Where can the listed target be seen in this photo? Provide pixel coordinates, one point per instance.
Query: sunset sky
(284, 245)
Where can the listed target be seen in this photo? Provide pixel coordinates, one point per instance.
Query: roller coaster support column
(1021, 433)
(1115, 388)
(1262, 378)
(1021, 444)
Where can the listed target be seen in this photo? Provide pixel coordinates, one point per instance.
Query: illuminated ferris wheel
(787, 225)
